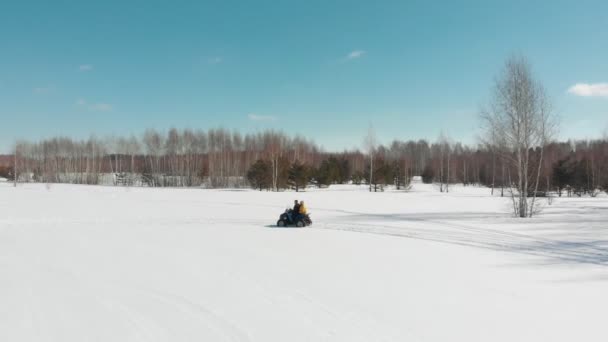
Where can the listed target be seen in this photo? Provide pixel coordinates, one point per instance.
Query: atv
(289, 218)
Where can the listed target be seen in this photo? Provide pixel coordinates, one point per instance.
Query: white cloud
(43, 90)
(256, 117)
(85, 67)
(355, 54)
(100, 107)
(589, 89)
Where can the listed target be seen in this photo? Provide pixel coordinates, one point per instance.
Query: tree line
(271, 160)
(215, 158)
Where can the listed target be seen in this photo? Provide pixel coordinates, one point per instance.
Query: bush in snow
(7, 172)
(357, 178)
(428, 175)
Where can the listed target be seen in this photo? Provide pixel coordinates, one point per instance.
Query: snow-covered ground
(92, 263)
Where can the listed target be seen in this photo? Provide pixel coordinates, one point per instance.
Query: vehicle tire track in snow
(481, 238)
(515, 240)
(213, 320)
(136, 321)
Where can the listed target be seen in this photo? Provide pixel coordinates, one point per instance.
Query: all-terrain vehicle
(289, 218)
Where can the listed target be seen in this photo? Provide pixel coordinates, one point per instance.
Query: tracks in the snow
(471, 236)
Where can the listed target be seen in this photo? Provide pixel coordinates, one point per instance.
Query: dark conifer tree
(298, 176)
(260, 175)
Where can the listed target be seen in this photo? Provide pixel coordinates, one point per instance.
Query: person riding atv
(295, 211)
(297, 216)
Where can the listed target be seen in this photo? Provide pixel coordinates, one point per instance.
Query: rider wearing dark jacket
(296, 210)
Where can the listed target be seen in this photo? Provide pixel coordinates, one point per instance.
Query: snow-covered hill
(90, 263)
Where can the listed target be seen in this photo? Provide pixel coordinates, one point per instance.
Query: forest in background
(219, 158)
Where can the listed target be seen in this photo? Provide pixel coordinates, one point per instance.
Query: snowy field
(90, 263)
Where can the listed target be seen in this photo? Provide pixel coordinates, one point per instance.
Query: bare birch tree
(519, 119)
(369, 144)
(15, 165)
(445, 152)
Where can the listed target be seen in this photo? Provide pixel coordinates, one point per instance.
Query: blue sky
(322, 69)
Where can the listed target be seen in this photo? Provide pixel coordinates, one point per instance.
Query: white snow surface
(93, 263)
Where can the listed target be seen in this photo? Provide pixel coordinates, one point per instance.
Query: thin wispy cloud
(256, 117)
(589, 89)
(355, 54)
(85, 67)
(43, 90)
(99, 107)
(215, 60)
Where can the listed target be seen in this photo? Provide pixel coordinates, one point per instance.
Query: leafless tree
(15, 165)
(520, 119)
(369, 144)
(445, 152)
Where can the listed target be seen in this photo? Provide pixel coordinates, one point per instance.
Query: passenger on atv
(297, 216)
